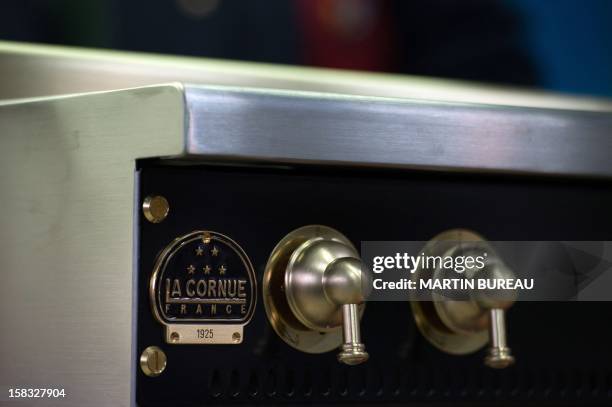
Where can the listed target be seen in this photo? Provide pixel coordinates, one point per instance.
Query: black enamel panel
(563, 349)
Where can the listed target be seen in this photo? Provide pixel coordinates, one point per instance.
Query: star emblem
(207, 269)
(191, 269)
(199, 251)
(215, 251)
(222, 270)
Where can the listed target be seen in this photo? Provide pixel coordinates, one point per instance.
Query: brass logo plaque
(203, 289)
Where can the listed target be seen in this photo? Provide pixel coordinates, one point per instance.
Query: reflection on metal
(153, 361)
(464, 326)
(155, 208)
(39, 70)
(313, 292)
(69, 206)
(305, 128)
(431, 124)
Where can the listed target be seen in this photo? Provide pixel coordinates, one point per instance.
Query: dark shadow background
(562, 45)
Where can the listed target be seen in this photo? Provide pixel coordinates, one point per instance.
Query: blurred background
(560, 45)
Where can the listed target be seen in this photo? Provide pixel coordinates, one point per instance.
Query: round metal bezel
(434, 318)
(278, 310)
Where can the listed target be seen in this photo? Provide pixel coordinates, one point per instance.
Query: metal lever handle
(499, 355)
(342, 283)
(353, 350)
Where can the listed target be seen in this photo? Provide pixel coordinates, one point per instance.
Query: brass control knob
(461, 326)
(314, 293)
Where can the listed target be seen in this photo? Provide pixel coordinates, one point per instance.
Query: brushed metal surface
(301, 127)
(67, 186)
(37, 70)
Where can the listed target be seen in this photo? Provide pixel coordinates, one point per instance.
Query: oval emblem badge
(203, 289)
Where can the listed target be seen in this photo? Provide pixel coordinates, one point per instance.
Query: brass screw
(153, 361)
(174, 337)
(236, 337)
(155, 208)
